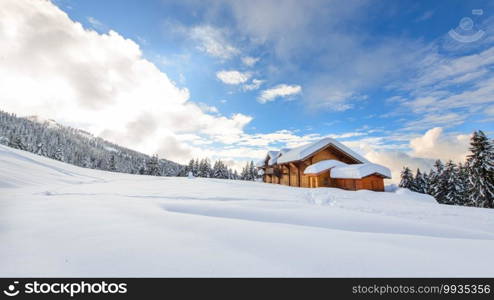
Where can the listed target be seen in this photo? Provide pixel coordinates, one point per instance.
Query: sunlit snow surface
(61, 220)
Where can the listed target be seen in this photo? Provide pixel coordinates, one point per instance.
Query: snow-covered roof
(322, 166)
(305, 151)
(358, 171)
(284, 150)
(273, 157)
(260, 163)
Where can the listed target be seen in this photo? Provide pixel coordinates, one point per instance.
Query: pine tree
(406, 179)
(87, 162)
(195, 168)
(152, 166)
(59, 154)
(481, 167)
(190, 166)
(438, 182)
(204, 168)
(452, 189)
(426, 180)
(244, 175)
(112, 166)
(252, 171)
(419, 183)
(464, 185)
(220, 170)
(40, 149)
(142, 167)
(16, 143)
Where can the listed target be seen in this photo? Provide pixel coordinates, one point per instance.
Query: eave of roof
(305, 151)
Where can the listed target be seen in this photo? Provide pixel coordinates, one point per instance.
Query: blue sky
(385, 77)
(311, 58)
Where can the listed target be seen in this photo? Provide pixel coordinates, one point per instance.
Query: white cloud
(213, 41)
(250, 61)
(282, 90)
(448, 89)
(55, 68)
(435, 68)
(447, 119)
(435, 144)
(490, 111)
(350, 62)
(396, 160)
(233, 77)
(254, 85)
(424, 150)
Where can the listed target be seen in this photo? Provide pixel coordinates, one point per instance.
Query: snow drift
(61, 220)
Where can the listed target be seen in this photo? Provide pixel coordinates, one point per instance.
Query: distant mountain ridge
(48, 138)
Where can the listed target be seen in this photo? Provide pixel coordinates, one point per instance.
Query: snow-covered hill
(48, 138)
(61, 220)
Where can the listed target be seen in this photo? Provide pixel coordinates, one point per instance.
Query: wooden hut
(325, 163)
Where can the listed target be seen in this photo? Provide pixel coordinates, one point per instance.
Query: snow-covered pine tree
(40, 149)
(59, 154)
(243, 174)
(430, 178)
(252, 171)
(426, 180)
(418, 182)
(220, 170)
(112, 166)
(464, 185)
(204, 168)
(438, 182)
(190, 166)
(86, 163)
(481, 167)
(152, 166)
(223, 170)
(209, 168)
(195, 167)
(406, 179)
(215, 172)
(16, 143)
(142, 167)
(452, 188)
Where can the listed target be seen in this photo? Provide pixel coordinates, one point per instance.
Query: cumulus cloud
(282, 90)
(54, 67)
(396, 160)
(435, 144)
(233, 77)
(423, 151)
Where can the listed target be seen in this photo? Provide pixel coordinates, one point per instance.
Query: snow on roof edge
(322, 166)
(304, 151)
(359, 171)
